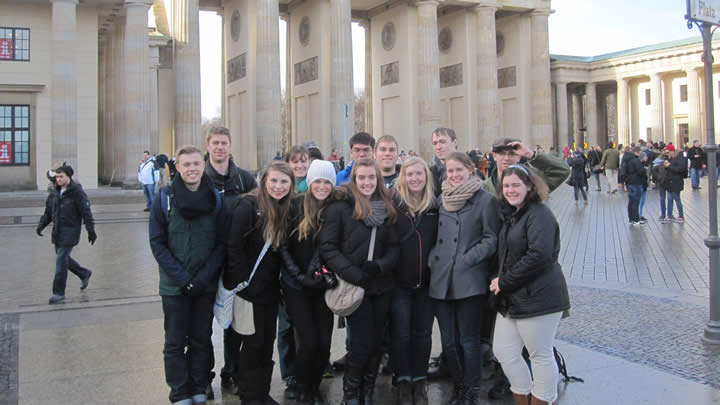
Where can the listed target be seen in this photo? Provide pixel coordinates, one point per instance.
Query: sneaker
(56, 299)
(290, 387)
(669, 218)
(663, 220)
(680, 219)
(86, 281)
(642, 221)
(146, 210)
(637, 223)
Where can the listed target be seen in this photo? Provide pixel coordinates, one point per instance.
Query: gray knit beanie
(321, 169)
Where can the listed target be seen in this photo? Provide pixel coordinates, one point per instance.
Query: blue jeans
(63, 263)
(411, 323)
(663, 193)
(674, 197)
(460, 323)
(642, 203)
(695, 177)
(577, 188)
(149, 191)
(188, 324)
(634, 193)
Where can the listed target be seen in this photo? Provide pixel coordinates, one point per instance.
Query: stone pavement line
(9, 339)
(658, 332)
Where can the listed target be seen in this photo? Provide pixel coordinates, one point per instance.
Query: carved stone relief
(507, 77)
(445, 40)
(306, 71)
(499, 43)
(304, 31)
(236, 68)
(235, 26)
(451, 76)
(390, 73)
(388, 36)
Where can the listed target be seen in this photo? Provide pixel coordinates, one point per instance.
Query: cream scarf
(454, 197)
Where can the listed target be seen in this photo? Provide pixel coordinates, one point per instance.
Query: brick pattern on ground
(657, 332)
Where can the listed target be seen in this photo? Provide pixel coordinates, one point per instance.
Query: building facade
(88, 82)
(654, 93)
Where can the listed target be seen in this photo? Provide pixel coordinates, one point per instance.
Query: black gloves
(310, 280)
(92, 237)
(371, 269)
(192, 289)
(39, 230)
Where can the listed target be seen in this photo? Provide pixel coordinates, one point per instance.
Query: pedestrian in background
(697, 159)
(67, 207)
(594, 159)
(148, 176)
(577, 175)
(531, 289)
(675, 173)
(635, 178)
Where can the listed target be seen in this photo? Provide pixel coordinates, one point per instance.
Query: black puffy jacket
(531, 280)
(245, 243)
(674, 181)
(344, 243)
(67, 212)
(417, 235)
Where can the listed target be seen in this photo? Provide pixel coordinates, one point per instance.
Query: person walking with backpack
(358, 242)
(187, 240)
(530, 286)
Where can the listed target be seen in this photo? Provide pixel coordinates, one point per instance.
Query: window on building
(14, 43)
(15, 135)
(647, 96)
(648, 133)
(683, 93)
(683, 131)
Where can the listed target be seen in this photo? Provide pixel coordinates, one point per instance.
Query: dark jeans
(597, 179)
(674, 197)
(63, 263)
(188, 323)
(253, 364)
(634, 193)
(582, 190)
(231, 349)
(285, 343)
(460, 324)
(411, 323)
(313, 323)
(662, 193)
(368, 324)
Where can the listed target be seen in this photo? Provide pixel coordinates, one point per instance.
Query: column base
(131, 185)
(711, 334)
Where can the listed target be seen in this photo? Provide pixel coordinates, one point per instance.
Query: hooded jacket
(67, 212)
(417, 235)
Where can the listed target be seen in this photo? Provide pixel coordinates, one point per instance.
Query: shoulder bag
(344, 299)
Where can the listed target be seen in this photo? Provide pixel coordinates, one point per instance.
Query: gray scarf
(454, 197)
(378, 214)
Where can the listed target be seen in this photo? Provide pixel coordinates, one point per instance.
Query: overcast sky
(578, 27)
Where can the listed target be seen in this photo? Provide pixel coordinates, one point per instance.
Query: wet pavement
(639, 299)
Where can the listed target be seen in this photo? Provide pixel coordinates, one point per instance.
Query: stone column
(656, 107)
(64, 82)
(694, 122)
(288, 135)
(487, 83)
(267, 108)
(137, 88)
(428, 76)
(591, 118)
(562, 114)
(342, 104)
(623, 112)
(154, 60)
(186, 31)
(577, 108)
(540, 79)
(368, 77)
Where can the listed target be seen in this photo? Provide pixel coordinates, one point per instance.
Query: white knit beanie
(321, 169)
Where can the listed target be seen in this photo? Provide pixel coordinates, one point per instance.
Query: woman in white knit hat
(305, 280)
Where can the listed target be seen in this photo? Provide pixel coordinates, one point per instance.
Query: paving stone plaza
(639, 300)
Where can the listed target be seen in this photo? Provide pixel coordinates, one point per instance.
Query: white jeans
(611, 178)
(537, 334)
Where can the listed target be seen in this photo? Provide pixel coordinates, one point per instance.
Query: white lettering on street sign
(705, 10)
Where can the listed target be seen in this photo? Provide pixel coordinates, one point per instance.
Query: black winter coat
(577, 176)
(675, 174)
(531, 280)
(344, 244)
(635, 173)
(696, 162)
(67, 212)
(417, 235)
(245, 243)
(232, 185)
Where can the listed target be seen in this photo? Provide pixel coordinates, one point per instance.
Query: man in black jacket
(635, 181)
(67, 207)
(231, 181)
(697, 157)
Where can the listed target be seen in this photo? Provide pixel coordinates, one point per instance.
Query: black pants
(368, 324)
(253, 364)
(286, 343)
(313, 323)
(188, 323)
(460, 324)
(231, 349)
(411, 332)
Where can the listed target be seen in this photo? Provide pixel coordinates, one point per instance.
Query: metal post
(711, 334)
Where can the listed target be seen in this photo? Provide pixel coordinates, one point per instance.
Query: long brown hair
(362, 204)
(312, 212)
(274, 212)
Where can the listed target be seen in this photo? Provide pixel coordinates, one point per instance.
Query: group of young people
(423, 242)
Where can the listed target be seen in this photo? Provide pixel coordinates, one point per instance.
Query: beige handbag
(344, 299)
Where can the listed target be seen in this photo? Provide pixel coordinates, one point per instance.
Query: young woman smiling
(531, 288)
(344, 236)
(258, 217)
(304, 283)
(466, 240)
(412, 311)
(299, 160)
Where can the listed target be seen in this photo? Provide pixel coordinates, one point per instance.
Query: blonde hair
(414, 203)
(275, 212)
(362, 203)
(187, 150)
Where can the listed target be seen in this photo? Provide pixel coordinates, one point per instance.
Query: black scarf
(193, 204)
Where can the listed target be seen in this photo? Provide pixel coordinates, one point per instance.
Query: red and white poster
(5, 153)
(6, 48)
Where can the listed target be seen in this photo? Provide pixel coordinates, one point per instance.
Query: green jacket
(549, 167)
(610, 159)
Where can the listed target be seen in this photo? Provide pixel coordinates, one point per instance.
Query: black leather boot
(304, 395)
(404, 393)
(371, 373)
(472, 395)
(419, 392)
(352, 379)
(458, 394)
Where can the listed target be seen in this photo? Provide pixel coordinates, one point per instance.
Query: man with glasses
(361, 146)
